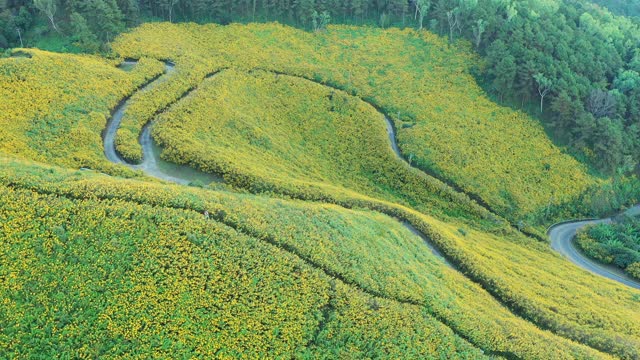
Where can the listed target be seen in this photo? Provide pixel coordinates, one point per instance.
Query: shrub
(634, 270)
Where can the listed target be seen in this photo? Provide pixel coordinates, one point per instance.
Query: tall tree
(48, 7)
(422, 8)
(544, 87)
(453, 19)
(168, 6)
(103, 17)
(82, 35)
(320, 21)
(608, 143)
(601, 103)
(479, 29)
(130, 9)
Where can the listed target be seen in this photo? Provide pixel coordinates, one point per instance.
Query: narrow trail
(433, 249)
(562, 241)
(561, 235)
(391, 133)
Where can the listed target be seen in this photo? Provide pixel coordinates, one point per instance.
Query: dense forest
(621, 7)
(573, 60)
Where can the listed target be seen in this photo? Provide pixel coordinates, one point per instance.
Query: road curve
(152, 165)
(562, 236)
(155, 167)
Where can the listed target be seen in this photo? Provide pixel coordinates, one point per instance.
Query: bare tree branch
(601, 103)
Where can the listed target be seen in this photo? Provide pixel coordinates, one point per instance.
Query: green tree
(305, 10)
(544, 87)
(505, 74)
(565, 110)
(422, 9)
(103, 17)
(453, 19)
(634, 64)
(168, 6)
(82, 35)
(130, 9)
(608, 143)
(479, 29)
(320, 21)
(627, 81)
(48, 7)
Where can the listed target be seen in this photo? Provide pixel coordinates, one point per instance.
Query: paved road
(152, 164)
(562, 236)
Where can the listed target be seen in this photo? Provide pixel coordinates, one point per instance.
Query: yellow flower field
(305, 254)
(444, 121)
(160, 238)
(54, 107)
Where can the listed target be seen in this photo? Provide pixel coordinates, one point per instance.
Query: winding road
(152, 165)
(561, 235)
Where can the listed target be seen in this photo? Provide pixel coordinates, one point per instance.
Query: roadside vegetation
(622, 7)
(617, 244)
(598, 201)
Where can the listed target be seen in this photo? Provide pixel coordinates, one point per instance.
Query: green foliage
(83, 36)
(622, 7)
(617, 244)
(320, 20)
(531, 42)
(600, 200)
(634, 270)
(48, 8)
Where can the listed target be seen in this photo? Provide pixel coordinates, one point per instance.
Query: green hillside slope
(444, 120)
(322, 240)
(55, 106)
(145, 240)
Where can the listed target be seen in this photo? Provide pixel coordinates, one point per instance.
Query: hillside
(53, 115)
(146, 240)
(323, 239)
(573, 64)
(502, 156)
